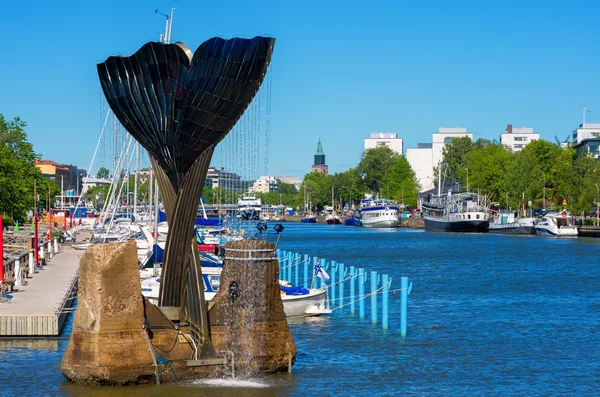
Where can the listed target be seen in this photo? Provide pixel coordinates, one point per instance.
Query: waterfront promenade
(40, 307)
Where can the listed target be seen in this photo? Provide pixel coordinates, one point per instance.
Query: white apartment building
(428, 155)
(387, 139)
(586, 131)
(265, 184)
(517, 138)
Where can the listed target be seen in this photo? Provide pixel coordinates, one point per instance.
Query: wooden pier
(40, 307)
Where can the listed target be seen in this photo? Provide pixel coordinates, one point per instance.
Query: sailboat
(308, 216)
(332, 218)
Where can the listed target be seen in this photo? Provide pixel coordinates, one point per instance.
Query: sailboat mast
(135, 182)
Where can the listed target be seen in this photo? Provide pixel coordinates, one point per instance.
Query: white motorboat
(557, 224)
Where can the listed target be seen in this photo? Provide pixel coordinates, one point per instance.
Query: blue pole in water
(297, 269)
(384, 301)
(306, 281)
(403, 304)
(332, 276)
(290, 267)
(374, 297)
(342, 278)
(362, 279)
(323, 282)
(280, 257)
(352, 282)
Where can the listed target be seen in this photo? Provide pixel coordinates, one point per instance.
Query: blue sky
(341, 70)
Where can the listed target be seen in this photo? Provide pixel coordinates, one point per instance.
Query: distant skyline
(341, 70)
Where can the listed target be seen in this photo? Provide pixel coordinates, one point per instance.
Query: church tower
(319, 164)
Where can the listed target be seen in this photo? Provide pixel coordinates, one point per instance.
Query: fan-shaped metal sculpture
(178, 107)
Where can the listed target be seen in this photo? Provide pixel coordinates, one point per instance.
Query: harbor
(476, 322)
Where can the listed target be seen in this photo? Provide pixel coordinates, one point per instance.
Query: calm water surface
(488, 315)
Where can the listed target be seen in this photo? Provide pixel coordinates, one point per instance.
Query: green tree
(523, 174)
(487, 166)
(318, 190)
(374, 165)
(102, 173)
(401, 183)
(347, 187)
(17, 170)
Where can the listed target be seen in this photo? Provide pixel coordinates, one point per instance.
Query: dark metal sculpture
(179, 106)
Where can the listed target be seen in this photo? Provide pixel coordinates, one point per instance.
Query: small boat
(351, 220)
(297, 301)
(331, 217)
(303, 302)
(557, 224)
(309, 219)
(507, 223)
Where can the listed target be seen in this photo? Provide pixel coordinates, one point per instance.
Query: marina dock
(40, 307)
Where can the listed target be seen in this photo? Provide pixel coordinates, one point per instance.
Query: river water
(488, 315)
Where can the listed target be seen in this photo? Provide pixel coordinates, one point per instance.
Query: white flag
(320, 272)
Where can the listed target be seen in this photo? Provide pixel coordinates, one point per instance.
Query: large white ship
(249, 207)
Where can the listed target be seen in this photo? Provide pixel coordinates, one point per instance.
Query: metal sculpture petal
(179, 106)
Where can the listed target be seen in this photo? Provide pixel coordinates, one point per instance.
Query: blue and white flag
(320, 272)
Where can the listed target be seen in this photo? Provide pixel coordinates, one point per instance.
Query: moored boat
(507, 223)
(557, 224)
(379, 213)
(249, 208)
(457, 212)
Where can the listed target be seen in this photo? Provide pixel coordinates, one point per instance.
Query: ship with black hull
(461, 212)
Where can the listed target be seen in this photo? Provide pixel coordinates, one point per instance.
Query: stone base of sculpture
(120, 338)
(246, 317)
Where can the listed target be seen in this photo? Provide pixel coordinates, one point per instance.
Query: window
(516, 146)
(448, 139)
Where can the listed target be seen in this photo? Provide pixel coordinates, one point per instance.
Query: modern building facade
(319, 164)
(89, 182)
(428, 155)
(586, 139)
(517, 138)
(385, 139)
(68, 177)
(220, 178)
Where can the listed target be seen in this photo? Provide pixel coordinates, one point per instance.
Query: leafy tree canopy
(374, 165)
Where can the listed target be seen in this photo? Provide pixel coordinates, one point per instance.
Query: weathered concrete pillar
(107, 344)
(246, 316)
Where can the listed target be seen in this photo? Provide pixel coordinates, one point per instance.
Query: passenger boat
(379, 213)
(457, 212)
(249, 208)
(557, 224)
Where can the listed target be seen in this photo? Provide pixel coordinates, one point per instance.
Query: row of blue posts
(289, 270)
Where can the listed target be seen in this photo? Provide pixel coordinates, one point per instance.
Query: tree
(374, 165)
(524, 174)
(487, 166)
(318, 190)
(401, 183)
(17, 170)
(347, 186)
(102, 173)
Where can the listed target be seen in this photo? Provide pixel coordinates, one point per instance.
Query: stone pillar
(246, 316)
(107, 344)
